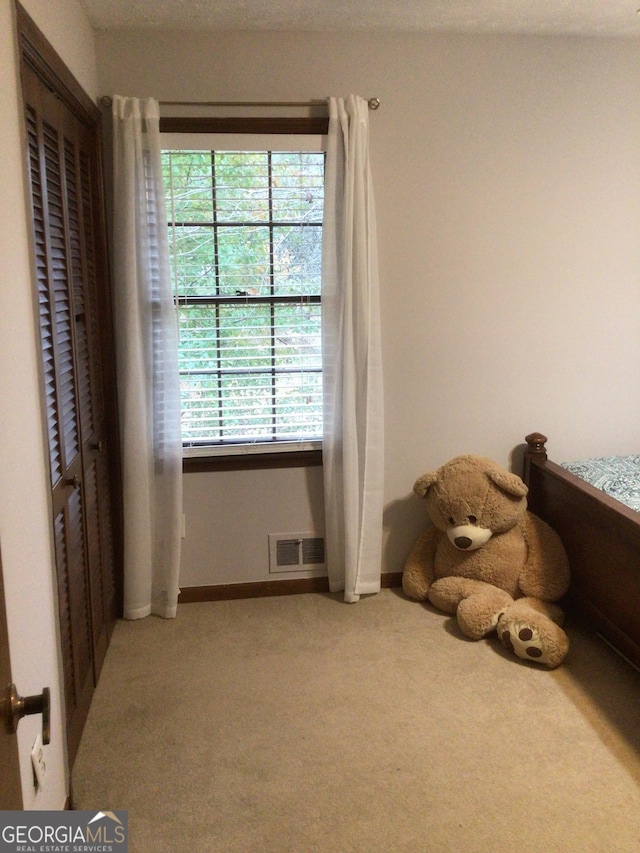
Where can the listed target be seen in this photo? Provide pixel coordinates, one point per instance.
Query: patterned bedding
(618, 476)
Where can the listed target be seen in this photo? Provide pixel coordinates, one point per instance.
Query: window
(245, 241)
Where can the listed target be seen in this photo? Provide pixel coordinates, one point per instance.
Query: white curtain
(353, 442)
(147, 368)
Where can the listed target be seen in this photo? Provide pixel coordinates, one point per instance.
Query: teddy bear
(490, 561)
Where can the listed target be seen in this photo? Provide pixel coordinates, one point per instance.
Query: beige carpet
(304, 724)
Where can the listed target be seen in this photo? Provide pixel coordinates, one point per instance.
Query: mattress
(617, 476)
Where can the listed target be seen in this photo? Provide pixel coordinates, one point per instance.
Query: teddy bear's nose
(462, 542)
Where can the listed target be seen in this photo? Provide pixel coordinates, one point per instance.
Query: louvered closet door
(89, 384)
(62, 169)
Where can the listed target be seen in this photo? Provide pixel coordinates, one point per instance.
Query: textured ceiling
(545, 17)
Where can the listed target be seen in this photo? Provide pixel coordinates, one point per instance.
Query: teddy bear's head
(472, 498)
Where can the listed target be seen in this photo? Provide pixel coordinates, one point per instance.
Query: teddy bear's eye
(452, 520)
(471, 519)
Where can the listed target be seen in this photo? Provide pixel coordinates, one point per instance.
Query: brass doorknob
(16, 707)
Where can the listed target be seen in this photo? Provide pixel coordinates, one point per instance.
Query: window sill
(251, 461)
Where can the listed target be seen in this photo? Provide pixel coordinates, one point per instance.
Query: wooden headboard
(602, 539)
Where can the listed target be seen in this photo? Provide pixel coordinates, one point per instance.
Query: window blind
(245, 245)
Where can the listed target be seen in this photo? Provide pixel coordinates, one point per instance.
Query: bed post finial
(536, 444)
(535, 450)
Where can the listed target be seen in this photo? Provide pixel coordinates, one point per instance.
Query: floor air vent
(294, 552)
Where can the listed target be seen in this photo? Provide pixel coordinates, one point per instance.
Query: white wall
(507, 176)
(66, 26)
(229, 516)
(24, 508)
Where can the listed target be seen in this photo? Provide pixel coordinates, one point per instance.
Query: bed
(602, 539)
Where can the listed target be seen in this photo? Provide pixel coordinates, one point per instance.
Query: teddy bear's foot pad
(526, 643)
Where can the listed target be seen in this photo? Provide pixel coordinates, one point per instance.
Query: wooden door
(63, 149)
(10, 785)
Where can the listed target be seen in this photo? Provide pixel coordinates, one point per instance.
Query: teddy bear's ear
(424, 483)
(509, 483)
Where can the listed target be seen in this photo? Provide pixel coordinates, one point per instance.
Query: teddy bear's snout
(467, 537)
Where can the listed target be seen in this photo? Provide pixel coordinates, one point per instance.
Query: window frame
(205, 458)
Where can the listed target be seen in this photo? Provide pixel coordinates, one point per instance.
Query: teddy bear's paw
(523, 641)
(528, 643)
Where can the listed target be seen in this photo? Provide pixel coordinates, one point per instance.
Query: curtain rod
(374, 103)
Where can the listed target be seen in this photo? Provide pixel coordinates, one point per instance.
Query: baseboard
(295, 586)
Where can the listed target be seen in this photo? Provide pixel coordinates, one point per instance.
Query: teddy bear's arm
(546, 573)
(418, 572)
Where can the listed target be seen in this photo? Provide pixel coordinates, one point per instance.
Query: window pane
(198, 339)
(297, 259)
(244, 260)
(193, 255)
(299, 404)
(242, 186)
(245, 338)
(247, 408)
(200, 404)
(297, 337)
(187, 174)
(298, 186)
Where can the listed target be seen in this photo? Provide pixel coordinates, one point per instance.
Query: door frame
(10, 780)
